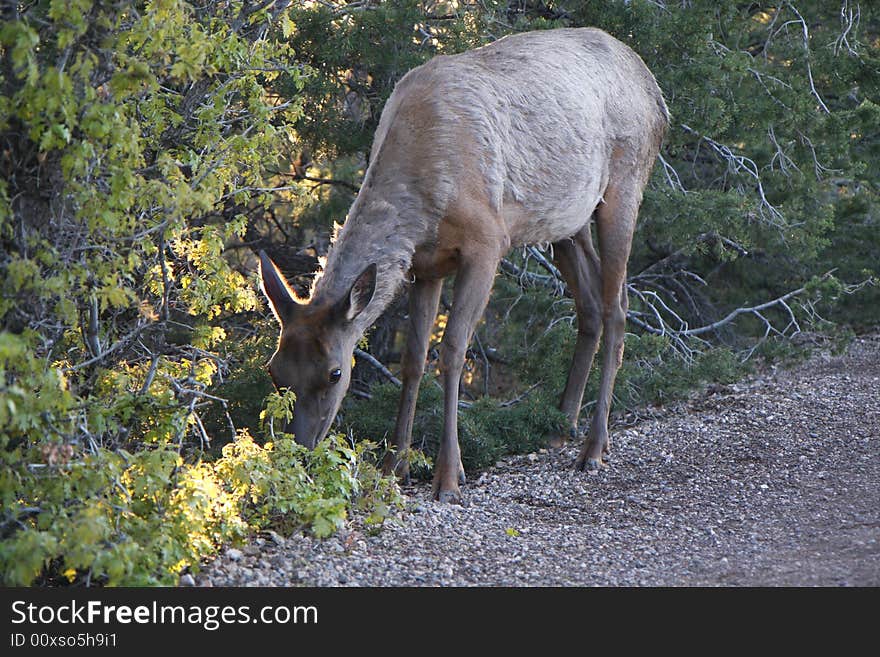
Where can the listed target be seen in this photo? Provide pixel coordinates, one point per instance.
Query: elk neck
(384, 226)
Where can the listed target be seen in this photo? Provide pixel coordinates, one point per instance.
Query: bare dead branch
(741, 163)
(535, 253)
(760, 77)
(780, 155)
(806, 43)
(90, 330)
(151, 374)
(658, 313)
(516, 400)
(818, 167)
(807, 58)
(119, 344)
(711, 236)
(849, 21)
(671, 175)
(320, 181)
(527, 278)
(372, 360)
(752, 309)
(164, 269)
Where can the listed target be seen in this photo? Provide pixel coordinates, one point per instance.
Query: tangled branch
(742, 164)
(665, 297)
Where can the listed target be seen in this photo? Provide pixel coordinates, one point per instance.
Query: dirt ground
(774, 481)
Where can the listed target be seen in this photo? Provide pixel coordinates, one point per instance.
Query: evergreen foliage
(147, 147)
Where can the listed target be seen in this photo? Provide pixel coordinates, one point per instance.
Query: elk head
(314, 353)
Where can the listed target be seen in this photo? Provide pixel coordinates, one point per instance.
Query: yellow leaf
(287, 25)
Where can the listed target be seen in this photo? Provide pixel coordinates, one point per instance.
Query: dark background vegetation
(149, 150)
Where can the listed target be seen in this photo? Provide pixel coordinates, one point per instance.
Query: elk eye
(335, 375)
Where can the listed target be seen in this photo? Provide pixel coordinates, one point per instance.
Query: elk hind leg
(615, 224)
(579, 265)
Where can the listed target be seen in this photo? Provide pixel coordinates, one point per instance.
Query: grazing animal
(522, 141)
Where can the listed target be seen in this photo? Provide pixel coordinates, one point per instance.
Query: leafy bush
(134, 519)
(135, 136)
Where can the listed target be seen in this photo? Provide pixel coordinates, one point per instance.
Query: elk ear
(275, 287)
(360, 295)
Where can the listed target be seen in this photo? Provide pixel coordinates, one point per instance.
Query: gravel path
(772, 481)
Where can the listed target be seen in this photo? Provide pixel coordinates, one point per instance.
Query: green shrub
(136, 137)
(136, 519)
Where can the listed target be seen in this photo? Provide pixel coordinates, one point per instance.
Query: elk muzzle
(309, 424)
(304, 426)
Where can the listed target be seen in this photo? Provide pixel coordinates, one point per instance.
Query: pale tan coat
(519, 142)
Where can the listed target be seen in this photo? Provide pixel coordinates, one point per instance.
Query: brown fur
(519, 142)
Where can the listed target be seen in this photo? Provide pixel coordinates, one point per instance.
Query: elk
(527, 140)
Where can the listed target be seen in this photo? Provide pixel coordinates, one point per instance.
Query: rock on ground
(771, 481)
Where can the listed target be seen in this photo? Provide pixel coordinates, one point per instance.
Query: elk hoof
(446, 483)
(462, 479)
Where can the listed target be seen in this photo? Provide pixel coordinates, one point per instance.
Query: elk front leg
(423, 301)
(472, 287)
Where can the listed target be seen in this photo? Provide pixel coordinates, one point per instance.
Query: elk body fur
(520, 142)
